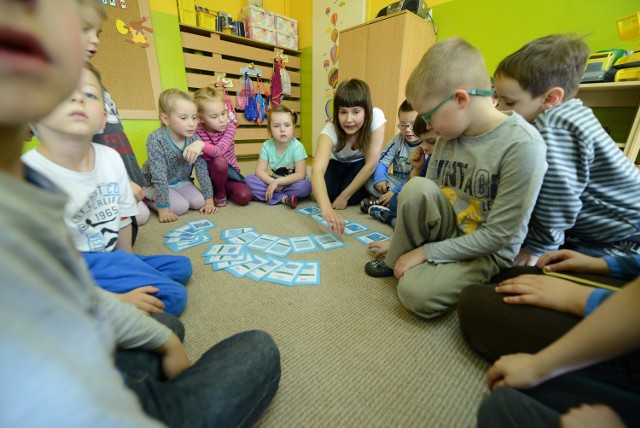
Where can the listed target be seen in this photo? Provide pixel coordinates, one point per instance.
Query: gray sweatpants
(425, 215)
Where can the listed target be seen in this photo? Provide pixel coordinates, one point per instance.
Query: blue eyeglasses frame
(478, 92)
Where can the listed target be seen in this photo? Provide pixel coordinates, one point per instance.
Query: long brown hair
(353, 93)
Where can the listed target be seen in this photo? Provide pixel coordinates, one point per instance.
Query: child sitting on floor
(419, 160)
(384, 185)
(590, 197)
(285, 156)
(218, 133)
(174, 150)
(101, 204)
(467, 219)
(112, 135)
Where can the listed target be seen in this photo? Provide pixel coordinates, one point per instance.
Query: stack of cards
(189, 235)
(240, 260)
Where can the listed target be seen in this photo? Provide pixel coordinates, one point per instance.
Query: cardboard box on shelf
(258, 17)
(286, 41)
(261, 34)
(286, 25)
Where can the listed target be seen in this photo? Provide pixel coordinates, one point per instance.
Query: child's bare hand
(138, 192)
(591, 416)
(417, 157)
(382, 187)
(525, 259)
(385, 198)
(516, 371)
(409, 260)
(273, 186)
(174, 357)
(167, 217)
(142, 299)
(380, 247)
(572, 261)
(193, 150)
(209, 208)
(546, 292)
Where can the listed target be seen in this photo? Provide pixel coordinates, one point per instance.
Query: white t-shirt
(97, 199)
(347, 154)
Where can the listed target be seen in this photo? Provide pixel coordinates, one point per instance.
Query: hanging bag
(245, 92)
(251, 109)
(276, 85)
(230, 110)
(261, 103)
(285, 81)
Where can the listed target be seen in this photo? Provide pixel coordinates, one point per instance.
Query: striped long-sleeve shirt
(591, 192)
(220, 144)
(166, 166)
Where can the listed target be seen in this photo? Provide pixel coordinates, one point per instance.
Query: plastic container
(187, 16)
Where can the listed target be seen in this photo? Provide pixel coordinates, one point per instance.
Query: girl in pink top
(218, 134)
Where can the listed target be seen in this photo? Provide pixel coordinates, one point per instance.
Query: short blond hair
(207, 94)
(96, 5)
(448, 65)
(168, 98)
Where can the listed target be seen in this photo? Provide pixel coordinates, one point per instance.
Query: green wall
(500, 27)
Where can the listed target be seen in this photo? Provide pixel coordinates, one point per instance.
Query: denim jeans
(231, 385)
(542, 406)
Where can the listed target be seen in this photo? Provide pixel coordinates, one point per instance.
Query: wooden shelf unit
(617, 94)
(383, 52)
(207, 54)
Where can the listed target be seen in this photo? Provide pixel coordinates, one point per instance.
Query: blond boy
(467, 219)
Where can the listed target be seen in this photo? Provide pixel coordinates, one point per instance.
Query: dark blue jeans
(339, 175)
(231, 385)
(542, 406)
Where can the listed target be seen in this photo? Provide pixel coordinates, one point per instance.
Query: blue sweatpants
(120, 272)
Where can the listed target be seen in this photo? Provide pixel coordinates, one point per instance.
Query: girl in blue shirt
(285, 156)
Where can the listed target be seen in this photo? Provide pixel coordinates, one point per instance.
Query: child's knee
(423, 299)
(241, 195)
(175, 299)
(181, 269)
(219, 163)
(179, 206)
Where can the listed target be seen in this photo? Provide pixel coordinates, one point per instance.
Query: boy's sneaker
(220, 202)
(381, 213)
(290, 201)
(366, 203)
(378, 269)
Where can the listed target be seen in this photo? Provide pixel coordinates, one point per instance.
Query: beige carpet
(351, 354)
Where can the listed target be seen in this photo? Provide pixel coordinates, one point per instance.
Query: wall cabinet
(383, 52)
(617, 95)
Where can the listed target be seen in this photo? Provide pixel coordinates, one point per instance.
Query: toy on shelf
(629, 66)
(598, 65)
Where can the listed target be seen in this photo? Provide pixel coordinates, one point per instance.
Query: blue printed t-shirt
(295, 152)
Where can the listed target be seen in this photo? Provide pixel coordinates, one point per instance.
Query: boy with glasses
(383, 185)
(467, 219)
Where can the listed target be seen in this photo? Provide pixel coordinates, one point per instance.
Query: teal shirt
(295, 152)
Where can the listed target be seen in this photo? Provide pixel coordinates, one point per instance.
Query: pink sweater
(219, 144)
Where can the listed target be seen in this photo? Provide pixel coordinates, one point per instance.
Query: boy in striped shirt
(590, 196)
